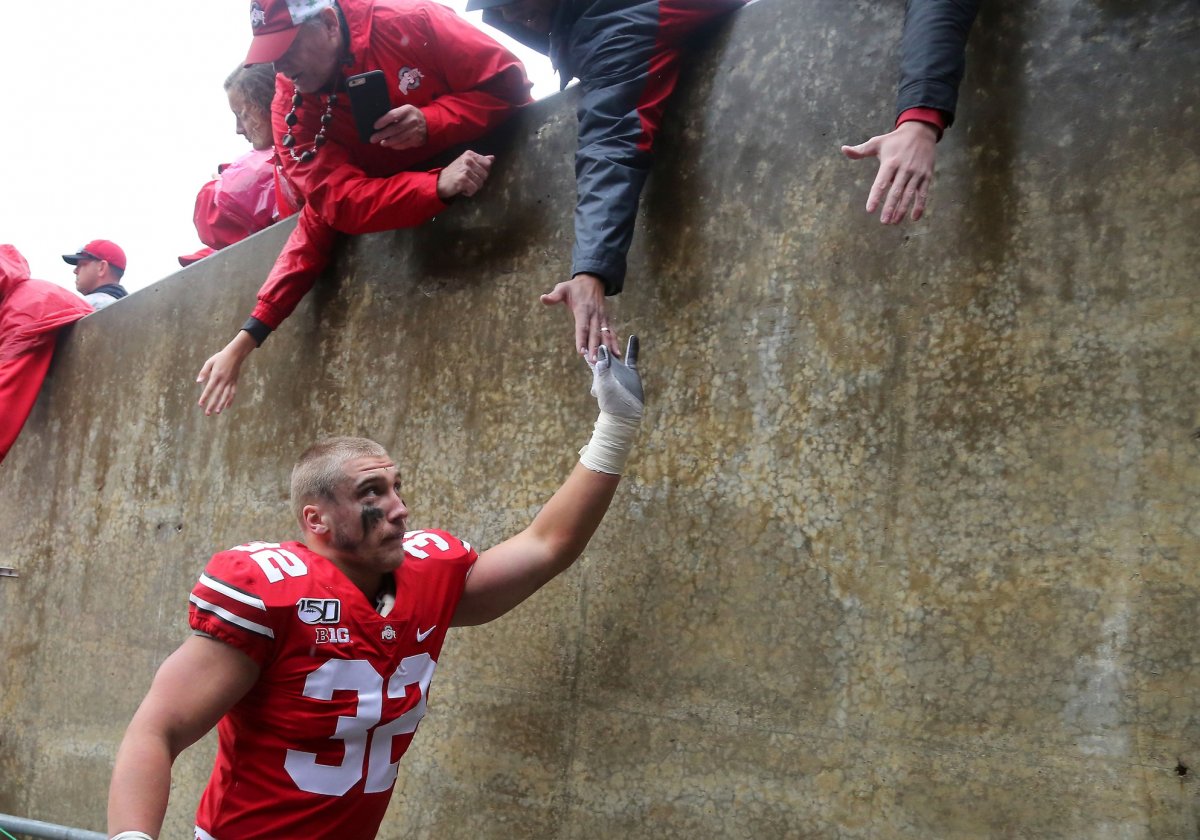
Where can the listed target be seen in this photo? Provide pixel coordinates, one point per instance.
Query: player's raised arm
(176, 712)
(506, 575)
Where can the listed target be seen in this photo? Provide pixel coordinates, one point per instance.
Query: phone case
(369, 101)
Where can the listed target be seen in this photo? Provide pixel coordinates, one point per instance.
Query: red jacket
(31, 310)
(465, 84)
(31, 313)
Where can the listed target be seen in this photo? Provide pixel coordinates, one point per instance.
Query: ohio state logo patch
(410, 79)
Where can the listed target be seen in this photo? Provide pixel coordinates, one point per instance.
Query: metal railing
(49, 831)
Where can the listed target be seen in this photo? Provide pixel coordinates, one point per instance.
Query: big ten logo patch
(333, 635)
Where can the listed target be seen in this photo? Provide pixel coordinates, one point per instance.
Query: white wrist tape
(611, 443)
(131, 835)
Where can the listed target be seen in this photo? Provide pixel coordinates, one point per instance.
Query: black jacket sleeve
(933, 54)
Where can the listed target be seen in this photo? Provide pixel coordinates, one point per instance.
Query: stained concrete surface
(907, 548)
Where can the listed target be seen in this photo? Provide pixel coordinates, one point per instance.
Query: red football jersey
(312, 750)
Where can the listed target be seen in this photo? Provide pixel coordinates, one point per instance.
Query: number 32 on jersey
(368, 739)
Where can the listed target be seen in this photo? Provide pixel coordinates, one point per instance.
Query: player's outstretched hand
(616, 384)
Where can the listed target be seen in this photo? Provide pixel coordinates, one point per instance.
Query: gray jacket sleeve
(608, 45)
(933, 54)
(610, 48)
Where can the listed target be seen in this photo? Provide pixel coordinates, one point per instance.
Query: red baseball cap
(98, 249)
(275, 22)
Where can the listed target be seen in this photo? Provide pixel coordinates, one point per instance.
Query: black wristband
(257, 329)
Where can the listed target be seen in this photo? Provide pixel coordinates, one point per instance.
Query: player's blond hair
(318, 473)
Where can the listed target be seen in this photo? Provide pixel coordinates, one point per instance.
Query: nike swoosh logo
(423, 636)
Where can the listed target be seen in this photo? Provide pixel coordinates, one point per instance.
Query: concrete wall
(908, 546)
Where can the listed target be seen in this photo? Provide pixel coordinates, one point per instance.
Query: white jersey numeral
(272, 560)
(345, 675)
(414, 542)
(364, 738)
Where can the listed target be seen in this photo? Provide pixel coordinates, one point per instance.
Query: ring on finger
(605, 329)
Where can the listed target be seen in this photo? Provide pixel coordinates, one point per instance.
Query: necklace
(291, 119)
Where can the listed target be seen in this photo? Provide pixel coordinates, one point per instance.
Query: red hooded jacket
(31, 312)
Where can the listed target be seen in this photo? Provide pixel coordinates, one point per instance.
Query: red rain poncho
(31, 313)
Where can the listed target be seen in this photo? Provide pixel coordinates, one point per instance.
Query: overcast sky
(116, 116)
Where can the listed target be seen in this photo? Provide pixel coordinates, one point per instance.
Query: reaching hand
(401, 128)
(464, 176)
(220, 374)
(584, 296)
(616, 384)
(906, 157)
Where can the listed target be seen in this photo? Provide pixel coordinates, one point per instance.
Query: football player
(314, 658)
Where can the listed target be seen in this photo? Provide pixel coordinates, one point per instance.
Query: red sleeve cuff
(926, 115)
(435, 121)
(269, 315)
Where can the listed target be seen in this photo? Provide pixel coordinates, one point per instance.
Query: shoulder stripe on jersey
(226, 615)
(233, 592)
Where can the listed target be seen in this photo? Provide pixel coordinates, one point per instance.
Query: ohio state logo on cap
(274, 24)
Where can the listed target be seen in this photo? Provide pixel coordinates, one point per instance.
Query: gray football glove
(616, 384)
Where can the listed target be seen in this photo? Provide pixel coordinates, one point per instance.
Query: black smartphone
(369, 101)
